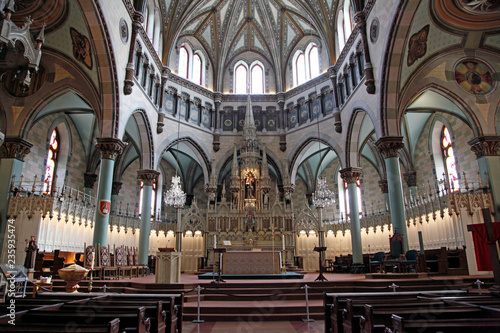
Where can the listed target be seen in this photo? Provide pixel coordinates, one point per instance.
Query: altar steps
(289, 268)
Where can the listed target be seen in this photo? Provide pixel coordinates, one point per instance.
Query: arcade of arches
(393, 103)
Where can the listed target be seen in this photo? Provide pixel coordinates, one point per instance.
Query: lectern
(320, 250)
(218, 263)
(168, 266)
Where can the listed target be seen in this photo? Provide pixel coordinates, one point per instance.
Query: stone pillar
(148, 178)
(389, 147)
(281, 104)
(351, 176)
(360, 19)
(137, 23)
(410, 178)
(115, 190)
(178, 234)
(110, 148)
(89, 180)
(218, 102)
(336, 109)
(385, 193)
(487, 150)
(12, 154)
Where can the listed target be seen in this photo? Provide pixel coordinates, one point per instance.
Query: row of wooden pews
(63, 312)
(443, 311)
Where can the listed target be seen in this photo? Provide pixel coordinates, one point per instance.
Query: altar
(251, 262)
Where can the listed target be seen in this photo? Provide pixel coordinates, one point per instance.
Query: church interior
(168, 145)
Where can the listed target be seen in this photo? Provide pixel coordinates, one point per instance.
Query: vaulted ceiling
(271, 28)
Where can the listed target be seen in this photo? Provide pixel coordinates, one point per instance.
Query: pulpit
(320, 250)
(168, 266)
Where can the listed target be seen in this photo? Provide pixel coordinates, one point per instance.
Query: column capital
(410, 178)
(389, 146)
(110, 148)
(116, 187)
(89, 179)
(351, 175)
(16, 148)
(486, 145)
(148, 176)
(384, 186)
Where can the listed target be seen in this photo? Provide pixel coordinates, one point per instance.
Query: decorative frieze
(110, 147)
(389, 146)
(486, 145)
(15, 148)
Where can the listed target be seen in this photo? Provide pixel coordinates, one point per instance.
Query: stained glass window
(449, 159)
(48, 179)
(183, 62)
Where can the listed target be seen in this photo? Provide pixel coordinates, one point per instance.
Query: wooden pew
(334, 303)
(130, 321)
(444, 325)
(111, 327)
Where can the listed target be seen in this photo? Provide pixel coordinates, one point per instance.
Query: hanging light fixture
(175, 196)
(322, 197)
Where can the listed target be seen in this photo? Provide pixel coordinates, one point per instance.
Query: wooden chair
(90, 253)
(410, 262)
(121, 262)
(397, 252)
(105, 263)
(134, 270)
(377, 262)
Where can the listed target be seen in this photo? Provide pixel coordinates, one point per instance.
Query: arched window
(449, 160)
(340, 31)
(52, 154)
(347, 20)
(306, 64)
(240, 79)
(183, 62)
(313, 61)
(257, 80)
(301, 69)
(197, 69)
(153, 199)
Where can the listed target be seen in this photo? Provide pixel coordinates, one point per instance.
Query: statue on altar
(250, 186)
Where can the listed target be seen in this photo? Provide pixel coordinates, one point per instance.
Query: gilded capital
(15, 148)
(389, 146)
(486, 145)
(351, 175)
(89, 179)
(110, 147)
(147, 176)
(411, 178)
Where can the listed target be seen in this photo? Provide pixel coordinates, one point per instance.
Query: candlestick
(215, 241)
(283, 242)
(92, 264)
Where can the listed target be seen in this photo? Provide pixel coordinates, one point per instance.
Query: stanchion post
(198, 320)
(308, 319)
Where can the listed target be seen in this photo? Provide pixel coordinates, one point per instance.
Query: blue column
(351, 176)
(110, 149)
(389, 147)
(148, 177)
(12, 154)
(487, 151)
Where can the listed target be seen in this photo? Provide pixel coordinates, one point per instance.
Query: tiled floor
(255, 326)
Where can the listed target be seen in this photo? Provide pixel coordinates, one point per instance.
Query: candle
(92, 264)
(283, 242)
(215, 241)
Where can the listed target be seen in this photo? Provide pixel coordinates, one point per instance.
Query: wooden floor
(255, 326)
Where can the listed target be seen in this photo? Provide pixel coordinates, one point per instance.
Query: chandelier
(175, 196)
(323, 197)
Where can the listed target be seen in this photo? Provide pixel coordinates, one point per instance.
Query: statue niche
(250, 186)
